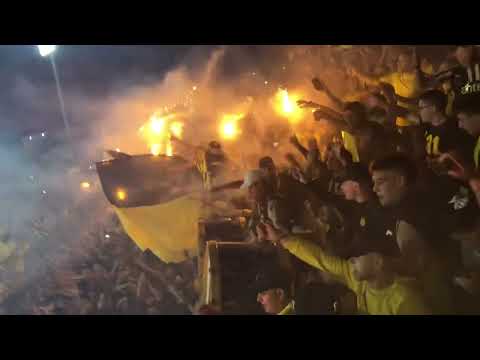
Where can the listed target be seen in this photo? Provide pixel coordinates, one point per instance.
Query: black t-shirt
(447, 137)
(368, 228)
(466, 85)
(372, 230)
(429, 221)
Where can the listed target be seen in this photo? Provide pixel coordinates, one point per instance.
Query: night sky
(28, 98)
(93, 71)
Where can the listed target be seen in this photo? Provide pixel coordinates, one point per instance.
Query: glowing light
(194, 88)
(266, 82)
(117, 150)
(46, 50)
(107, 236)
(85, 185)
(156, 149)
(43, 134)
(285, 104)
(157, 125)
(121, 195)
(169, 149)
(157, 133)
(44, 192)
(176, 128)
(30, 138)
(229, 129)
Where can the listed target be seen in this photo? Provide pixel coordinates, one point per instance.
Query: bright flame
(157, 133)
(176, 128)
(229, 129)
(169, 149)
(157, 124)
(286, 105)
(85, 185)
(156, 149)
(121, 195)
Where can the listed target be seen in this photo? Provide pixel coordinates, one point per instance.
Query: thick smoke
(41, 182)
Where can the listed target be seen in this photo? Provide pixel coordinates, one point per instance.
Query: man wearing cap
(370, 276)
(274, 292)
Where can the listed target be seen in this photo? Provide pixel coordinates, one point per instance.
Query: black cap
(358, 173)
(214, 145)
(266, 161)
(267, 279)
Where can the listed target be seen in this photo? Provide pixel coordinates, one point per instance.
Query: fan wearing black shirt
(370, 230)
(425, 254)
(442, 134)
(465, 78)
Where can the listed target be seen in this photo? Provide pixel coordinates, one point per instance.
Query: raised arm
(312, 254)
(319, 85)
(294, 141)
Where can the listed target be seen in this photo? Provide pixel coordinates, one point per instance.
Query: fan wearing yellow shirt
(407, 81)
(379, 291)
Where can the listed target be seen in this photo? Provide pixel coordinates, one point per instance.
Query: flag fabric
(158, 200)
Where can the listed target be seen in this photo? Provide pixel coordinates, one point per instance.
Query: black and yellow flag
(158, 200)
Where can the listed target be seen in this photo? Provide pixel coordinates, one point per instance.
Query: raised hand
(318, 84)
(455, 167)
(307, 104)
(294, 140)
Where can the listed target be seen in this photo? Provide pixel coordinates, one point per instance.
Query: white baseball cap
(252, 177)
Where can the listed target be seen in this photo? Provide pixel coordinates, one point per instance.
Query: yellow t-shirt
(400, 298)
(476, 153)
(288, 310)
(407, 85)
(350, 144)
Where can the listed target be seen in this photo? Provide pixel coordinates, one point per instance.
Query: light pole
(47, 51)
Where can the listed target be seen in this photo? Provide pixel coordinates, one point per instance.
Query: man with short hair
(365, 215)
(274, 292)
(425, 253)
(370, 276)
(441, 133)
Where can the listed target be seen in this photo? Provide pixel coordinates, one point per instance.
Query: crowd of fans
(384, 219)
